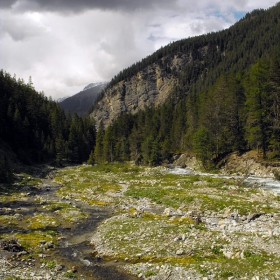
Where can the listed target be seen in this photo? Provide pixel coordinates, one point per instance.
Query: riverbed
(94, 243)
(267, 183)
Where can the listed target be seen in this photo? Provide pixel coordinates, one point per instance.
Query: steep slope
(35, 129)
(189, 65)
(81, 102)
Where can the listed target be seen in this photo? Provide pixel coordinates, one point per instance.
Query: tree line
(240, 111)
(37, 129)
(212, 54)
(226, 98)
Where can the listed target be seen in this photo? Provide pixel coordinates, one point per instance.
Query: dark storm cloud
(66, 44)
(74, 6)
(7, 3)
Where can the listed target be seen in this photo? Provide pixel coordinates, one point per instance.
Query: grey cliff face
(150, 86)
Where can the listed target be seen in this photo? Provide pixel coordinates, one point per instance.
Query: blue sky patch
(225, 16)
(239, 14)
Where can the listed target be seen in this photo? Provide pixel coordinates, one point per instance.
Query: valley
(122, 221)
(170, 171)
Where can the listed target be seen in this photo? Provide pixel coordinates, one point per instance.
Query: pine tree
(274, 102)
(108, 145)
(99, 149)
(203, 147)
(257, 127)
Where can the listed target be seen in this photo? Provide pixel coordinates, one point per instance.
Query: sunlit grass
(41, 221)
(31, 240)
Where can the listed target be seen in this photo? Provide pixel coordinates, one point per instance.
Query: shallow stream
(262, 182)
(75, 249)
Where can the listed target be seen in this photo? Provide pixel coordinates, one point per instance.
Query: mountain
(59, 100)
(205, 96)
(189, 65)
(81, 102)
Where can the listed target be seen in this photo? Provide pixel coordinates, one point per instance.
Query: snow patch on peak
(61, 99)
(94, 85)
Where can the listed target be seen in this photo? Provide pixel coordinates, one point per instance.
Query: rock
(195, 216)
(11, 245)
(179, 252)
(228, 254)
(167, 212)
(179, 212)
(150, 86)
(22, 253)
(139, 256)
(49, 245)
(254, 216)
(59, 267)
(237, 255)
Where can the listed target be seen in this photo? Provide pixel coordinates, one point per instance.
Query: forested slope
(36, 128)
(225, 98)
(189, 65)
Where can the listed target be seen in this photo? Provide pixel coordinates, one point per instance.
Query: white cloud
(66, 49)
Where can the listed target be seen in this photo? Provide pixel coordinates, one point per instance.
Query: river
(267, 183)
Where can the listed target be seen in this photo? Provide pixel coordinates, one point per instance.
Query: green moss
(150, 273)
(50, 264)
(70, 274)
(10, 220)
(41, 221)
(71, 214)
(29, 180)
(31, 240)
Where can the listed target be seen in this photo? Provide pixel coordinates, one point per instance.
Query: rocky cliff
(189, 64)
(150, 86)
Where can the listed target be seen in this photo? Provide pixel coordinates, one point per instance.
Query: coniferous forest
(36, 129)
(240, 111)
(226, 101)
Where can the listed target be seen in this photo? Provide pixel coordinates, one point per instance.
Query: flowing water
(262, 182)
(75, 249)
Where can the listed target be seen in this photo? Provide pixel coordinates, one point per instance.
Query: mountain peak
(91, 85)
(80, 102)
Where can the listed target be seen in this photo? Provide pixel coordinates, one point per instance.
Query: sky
(64, 45)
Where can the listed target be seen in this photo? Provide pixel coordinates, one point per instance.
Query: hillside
(34, 129)
(81, 102)
(209, 96)
(189, 65)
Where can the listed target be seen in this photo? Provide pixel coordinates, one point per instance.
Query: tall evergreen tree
(99, 148)
(257, 107)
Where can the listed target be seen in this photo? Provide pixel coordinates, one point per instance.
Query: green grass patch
(31, 240)
(49, 264)
(29, 180)
(41, 221)
(70, 274)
